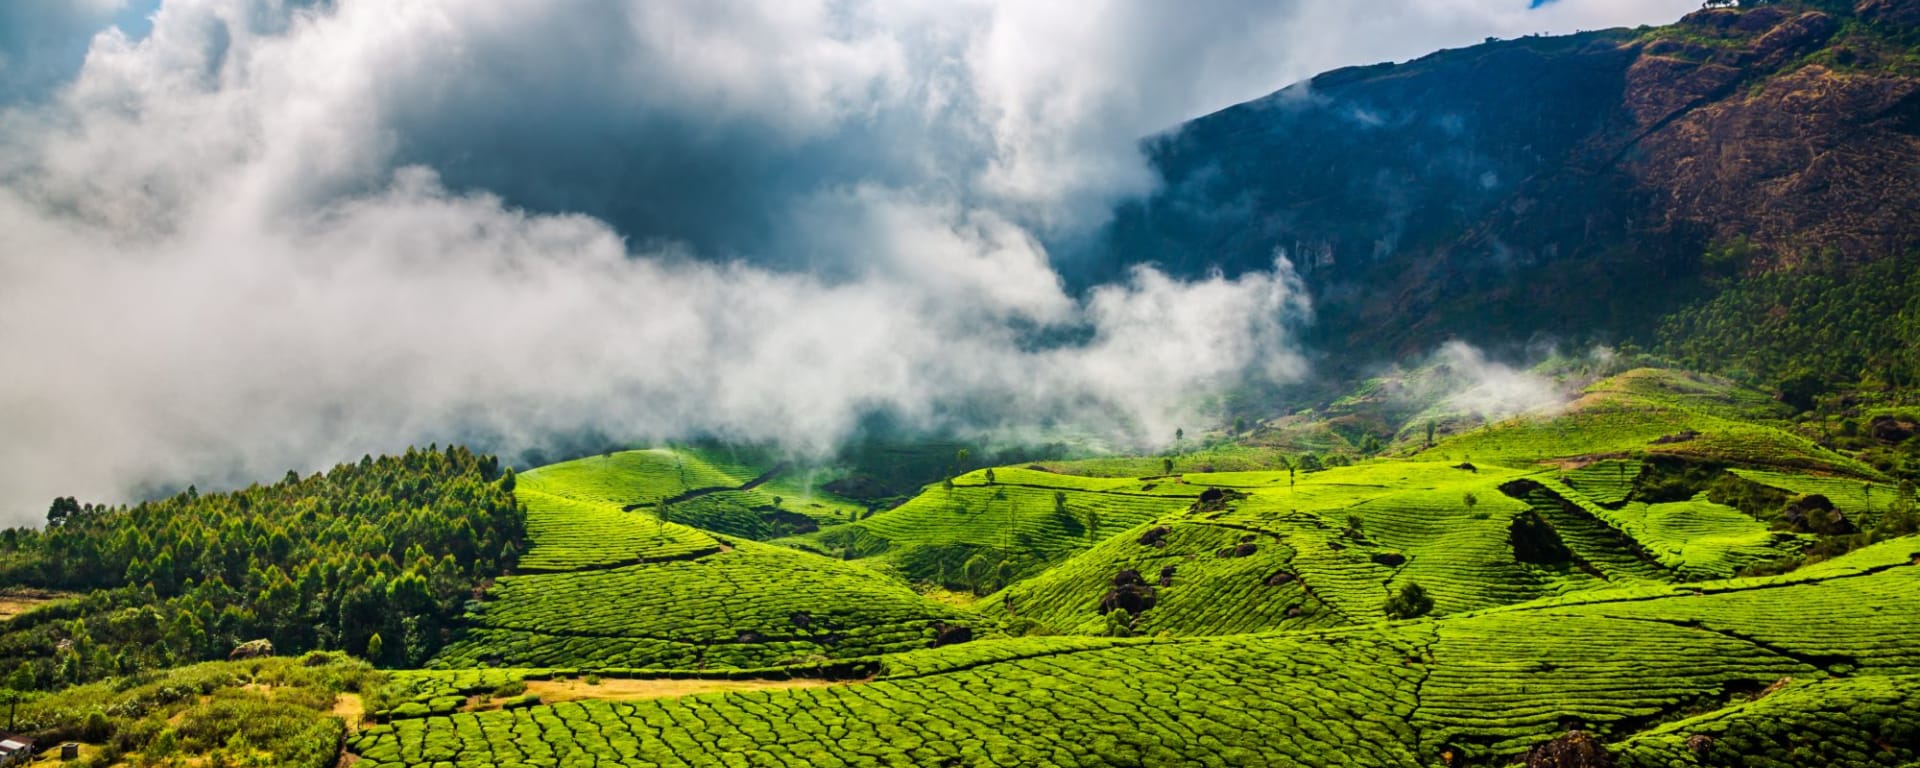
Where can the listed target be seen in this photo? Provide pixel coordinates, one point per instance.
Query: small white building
(15, 750)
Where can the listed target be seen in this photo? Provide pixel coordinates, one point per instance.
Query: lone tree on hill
(1411, 603)
(990, 477)
(18, 684)
(1166, 465)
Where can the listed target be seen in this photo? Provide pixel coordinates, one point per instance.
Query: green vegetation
(1024, 519)
(752, 605)
(269, 712)
(1809, 330)
(1666, 566)
(1482, 688)
(393, 546)
(709, 602)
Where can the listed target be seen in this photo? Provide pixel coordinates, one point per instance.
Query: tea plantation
(1471, 689)
(1619, 577)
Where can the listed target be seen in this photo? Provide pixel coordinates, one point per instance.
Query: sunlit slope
(1295, 550)
(1026, 518)
(749, 605)
(1831, 722)
(715, 490)
(602, 587)
(1650, 412)
(1478, 687)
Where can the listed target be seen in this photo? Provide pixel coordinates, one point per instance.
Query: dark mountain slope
(1565, 185)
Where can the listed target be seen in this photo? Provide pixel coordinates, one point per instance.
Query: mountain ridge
(1567, 187)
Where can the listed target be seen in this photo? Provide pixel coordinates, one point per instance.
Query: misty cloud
(278, 234)
(1489, 390)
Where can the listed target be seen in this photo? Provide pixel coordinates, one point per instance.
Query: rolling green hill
(1478, 688)
(1668, 569)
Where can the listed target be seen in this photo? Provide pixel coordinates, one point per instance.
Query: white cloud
(220, 256)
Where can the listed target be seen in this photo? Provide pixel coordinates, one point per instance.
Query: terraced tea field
(1477, 688)
(1027, 516)
(1228, 613)
(750, 605)
(571, 535)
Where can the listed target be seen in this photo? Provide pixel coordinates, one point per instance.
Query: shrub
(1411, 603)
(510, 689)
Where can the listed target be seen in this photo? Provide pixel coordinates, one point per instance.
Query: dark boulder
(1155, 536)
(1888, 429)
(1389, 559)
(1130, 593)
(1216, 499)
(1279, 578)
(950, 634)
(1814, 513)
(1577, 749)
(1683, 436)
(1166, 576)
(251, 649)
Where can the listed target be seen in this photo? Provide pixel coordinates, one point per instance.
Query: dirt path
(350, 708)
(553, 691)
(14, 602)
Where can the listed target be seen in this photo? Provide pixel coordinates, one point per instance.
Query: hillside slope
(1564, 185)
(1473, 690)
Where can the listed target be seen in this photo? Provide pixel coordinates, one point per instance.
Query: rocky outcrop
(1505, 186)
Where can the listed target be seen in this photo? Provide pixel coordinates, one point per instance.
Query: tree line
(377, 558)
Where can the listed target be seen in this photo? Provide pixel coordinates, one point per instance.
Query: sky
(239, 237)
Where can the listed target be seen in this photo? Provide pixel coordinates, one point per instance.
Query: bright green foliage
(265, 712)
(307, 563)
(1694, 539)
(1862, 500)
(1018, 517)
(1482, 686)
(752, 605)
(1701, 539)
(636, 477)
(710, 490)
(570, 535)
(419, 693)
(1606, 482)
(1219, 458)
(1646, 412)
(1206, 594)
(1846, 723)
